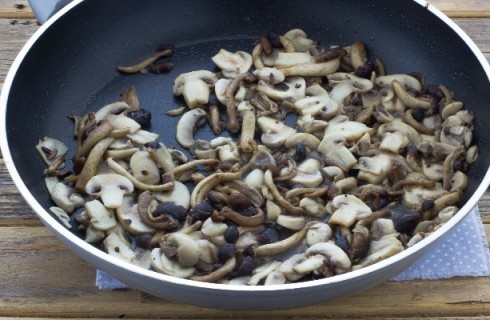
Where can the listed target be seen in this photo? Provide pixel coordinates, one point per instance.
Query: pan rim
(61, 231)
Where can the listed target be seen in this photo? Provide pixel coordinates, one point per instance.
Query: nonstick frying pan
(69, 67)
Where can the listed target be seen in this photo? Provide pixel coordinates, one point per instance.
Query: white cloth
(464, 252)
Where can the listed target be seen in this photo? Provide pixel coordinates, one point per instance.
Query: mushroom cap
(187, 124)
(110, 187)
(232, 64)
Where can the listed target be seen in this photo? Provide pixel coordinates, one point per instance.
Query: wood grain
(59, 284)
(40, 277)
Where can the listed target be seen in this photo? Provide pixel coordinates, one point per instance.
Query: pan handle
(44, 9)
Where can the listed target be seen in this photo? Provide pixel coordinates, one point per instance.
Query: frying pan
(69, 67)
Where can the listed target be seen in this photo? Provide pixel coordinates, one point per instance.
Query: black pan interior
(71, 69)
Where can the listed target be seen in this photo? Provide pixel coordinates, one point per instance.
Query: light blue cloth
(464, 252)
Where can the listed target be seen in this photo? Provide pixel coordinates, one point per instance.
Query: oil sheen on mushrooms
(328, 165)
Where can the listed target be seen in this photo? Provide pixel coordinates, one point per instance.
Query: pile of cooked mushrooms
(331, 165)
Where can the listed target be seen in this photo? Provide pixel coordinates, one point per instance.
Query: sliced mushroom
(101, 218)
(143, 167)
(317, 101)
(381, 249)
(194, 86)
(274, 132)
(62, 216)
(161, 263)
(232, 64)
(281, 246)
(207, 184)
(63, 195)
(335, 255)
(92, 163)
(292, 88)
(348, 209)
(187, 124)
(312, 69)
(179, 195)
(110, 187)
(49, 149)
(128, 217)
(272, 75)
(308, 173)
(182, 247)
(408, 99)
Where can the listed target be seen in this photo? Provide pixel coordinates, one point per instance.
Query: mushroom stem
(241, 220)
(312, 70)
(92, 163)
(117, 168)
(233, 123)
(287, 44)
(409, 119)
(448, 168)
(207, 184)
(145, 63)
(279, 247)
(407, 98)
(218, 274)
(193, 164)
(157, 157)
(247, 142)
(357, 54)
(144, 201)
(269, 181)
(103, 130)
(257, 56)
(214, 119)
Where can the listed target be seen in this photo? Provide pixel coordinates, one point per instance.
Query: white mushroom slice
(274, 278)
(120, 153)
(130, 220)
(245, 240)
(405, 79)
(309, 124)
(341, 126)
(307, 139)
(274, 132)
(374, 169)
(220, 88)
(63, 195)
(291, 222)
(288, 59)
(447, 213)
(381, 249)
(336, 154)
(161, 263)
(263, 271)
(310, 264)
(433, 171)
(293, 88)
(455, 130)
(287, 267)
(187, 125)
(179, 195)
(255, 178)
(93, 235)
(143, 137)
(308, 173)
(121, 121)
(212, 229)
(62, 216)
(110, 187)
(186, 249)
(194, 86)
(312, 69)
(357, 84)
(271, 75)
(232, 64)
(49, 149)
(273, 210)
(112, 108)
(348, 209)
(335, 255)
(381, 227)
(100, 217)
(299, 39)
(318, 232)
(312, 207)
(143, 167)
(393, 142)
(317, 101)
(208, 251)
(414, 196)
(400, 126)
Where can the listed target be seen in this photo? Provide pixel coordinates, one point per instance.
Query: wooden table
(39, 277)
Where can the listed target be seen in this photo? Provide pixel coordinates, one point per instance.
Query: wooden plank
(15, 9)
(41, 278)
(19, 9)
(466, 8)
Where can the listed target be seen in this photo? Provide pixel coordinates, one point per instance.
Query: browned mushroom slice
(92, 163)
(269, 182)
(161, 222)
(281, 246)
(218, 274)
(408, 99)
(207, 184)
(348, 209)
